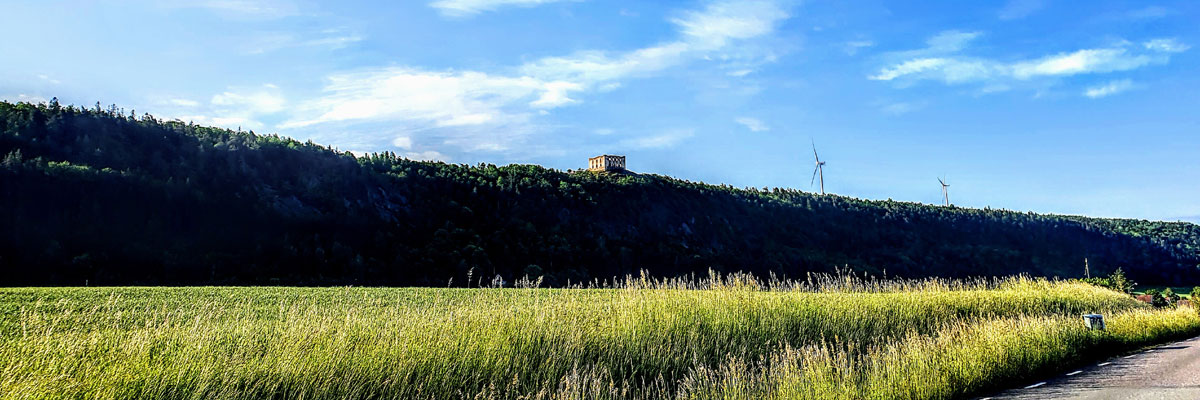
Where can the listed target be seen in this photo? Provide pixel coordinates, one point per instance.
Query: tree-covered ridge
(99, 196)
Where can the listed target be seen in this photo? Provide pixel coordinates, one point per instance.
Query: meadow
(731, 337)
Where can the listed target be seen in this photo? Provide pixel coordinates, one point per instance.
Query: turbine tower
(945, 191)
(819, 170)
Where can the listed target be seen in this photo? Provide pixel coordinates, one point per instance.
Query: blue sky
(1049, 106)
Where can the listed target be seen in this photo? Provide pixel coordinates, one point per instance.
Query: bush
(1170, 296)
(1115, 281)
(1158, 297)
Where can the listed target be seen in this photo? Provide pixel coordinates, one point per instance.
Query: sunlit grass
(642, 339)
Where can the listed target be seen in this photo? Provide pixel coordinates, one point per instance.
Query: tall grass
(721, 337)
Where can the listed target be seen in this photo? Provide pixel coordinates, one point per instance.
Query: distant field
(725, 338)
(1179, 290)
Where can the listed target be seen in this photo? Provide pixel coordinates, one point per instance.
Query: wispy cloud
(1085, 61)
(463, 8)
(427, 155)
(242, 8)
(753, 124)
(720, 22)
(1108, 89)
(942, 61)
(1017, 9)
(935, 56)
(853, 47)
(333, 39)
(949, 70)
(901, 108)
(438, 98)
(949, 41)
(1151, 12)
(704, 33)
(659, 141)
(328, 39)
(509, 99)
(48, 79)
(1169, 45)
(263, 100)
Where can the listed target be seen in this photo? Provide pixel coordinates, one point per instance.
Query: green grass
(730, 338)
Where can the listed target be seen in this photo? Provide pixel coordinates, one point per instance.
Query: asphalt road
(1166, 372)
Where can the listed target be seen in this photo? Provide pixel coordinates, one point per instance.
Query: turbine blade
(814, 178)
(814, 146)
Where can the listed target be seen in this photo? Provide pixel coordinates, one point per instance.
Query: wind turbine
(819, 170)
(945, 191)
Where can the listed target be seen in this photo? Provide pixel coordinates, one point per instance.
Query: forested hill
(99, 197)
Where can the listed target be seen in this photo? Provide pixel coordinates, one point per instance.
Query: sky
(1032, 105)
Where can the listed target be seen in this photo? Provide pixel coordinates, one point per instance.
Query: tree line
(94, 195)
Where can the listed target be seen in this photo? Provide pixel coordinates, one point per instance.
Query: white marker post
(1093, 322)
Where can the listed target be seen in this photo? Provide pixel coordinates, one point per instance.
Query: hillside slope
(94, 196)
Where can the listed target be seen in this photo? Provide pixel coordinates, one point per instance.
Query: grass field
(723, 338)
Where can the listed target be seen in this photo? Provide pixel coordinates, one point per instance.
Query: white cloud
(1167, 45)
(438, 98)
(753, 124)
(490, 110)
(463, 8)
(21, 97)
(936, 56)
(660, 141)
(428, 155)
(724, 21)
(593, 67)
(235, 107)
(909, 67)
(603, 131)
(403, 142)
(941, 61)
(950, 70)
(555, 94)
(950, 41)
(1109, 88)
(1082, 62)
(265, 100)
(707, 33)
(228, 122)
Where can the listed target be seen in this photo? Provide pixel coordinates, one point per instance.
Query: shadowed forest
(101, 197)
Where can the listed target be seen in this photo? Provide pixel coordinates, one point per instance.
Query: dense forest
(99, 197)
